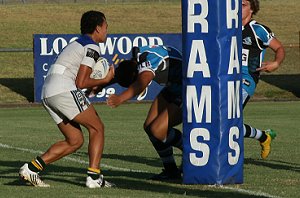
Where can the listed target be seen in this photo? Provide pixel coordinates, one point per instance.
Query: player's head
(90, 20)
(254, 6)
(126, 73)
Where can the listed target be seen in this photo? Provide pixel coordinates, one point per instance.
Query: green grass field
(129, 158)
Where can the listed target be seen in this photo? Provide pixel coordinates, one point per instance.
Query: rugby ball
(100, 69)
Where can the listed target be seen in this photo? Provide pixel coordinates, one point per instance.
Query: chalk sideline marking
(249, 192)
(240, 190)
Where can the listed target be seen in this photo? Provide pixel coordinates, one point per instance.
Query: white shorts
(66, 106)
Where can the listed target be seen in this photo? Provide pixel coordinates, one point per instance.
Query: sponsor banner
(212, 114)
(116, 48)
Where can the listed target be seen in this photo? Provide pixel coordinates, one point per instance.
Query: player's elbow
(80, 84)
(80, 87)
(280, 54)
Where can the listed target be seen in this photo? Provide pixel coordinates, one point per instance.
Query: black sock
(93, 173)
(263, 137)
(247, 129)
(165, 152)
(174, 138)
(37, 164)
(171, 168)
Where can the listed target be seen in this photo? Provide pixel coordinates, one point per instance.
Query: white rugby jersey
(62, 74)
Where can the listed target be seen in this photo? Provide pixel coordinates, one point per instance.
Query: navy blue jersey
(256, 38)
(165, 63)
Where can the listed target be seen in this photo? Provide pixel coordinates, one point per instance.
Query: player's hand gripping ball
(100, 69)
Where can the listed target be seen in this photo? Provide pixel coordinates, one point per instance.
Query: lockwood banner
(116, 48)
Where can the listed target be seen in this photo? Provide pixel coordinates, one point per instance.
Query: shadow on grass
(274, 164)
(154, 162)
(288, 82)
(22, 86)
(123, 180)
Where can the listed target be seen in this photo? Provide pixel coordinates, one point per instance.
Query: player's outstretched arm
(134, 89)
(270, 66)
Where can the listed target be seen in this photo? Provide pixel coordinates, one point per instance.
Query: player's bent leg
(90, 120)
(73, 141)
(161, 118)
(165, 152)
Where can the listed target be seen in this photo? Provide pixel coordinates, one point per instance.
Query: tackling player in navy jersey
(256, 38)
(163, 65)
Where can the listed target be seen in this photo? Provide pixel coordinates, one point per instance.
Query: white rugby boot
(26, 174)
(98, 183)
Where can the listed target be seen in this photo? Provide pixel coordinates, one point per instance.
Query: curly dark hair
(90, 20)
(254, 4)
(126, 73)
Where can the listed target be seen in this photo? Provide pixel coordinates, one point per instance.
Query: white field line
(249, 192)
(71, 159)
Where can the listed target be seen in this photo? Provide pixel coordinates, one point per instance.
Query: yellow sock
(94, 173)
(95, 170)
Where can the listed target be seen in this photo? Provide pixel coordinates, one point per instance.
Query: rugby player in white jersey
(69, 107)
(256, 38)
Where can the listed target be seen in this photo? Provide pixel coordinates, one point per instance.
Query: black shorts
(173, 94)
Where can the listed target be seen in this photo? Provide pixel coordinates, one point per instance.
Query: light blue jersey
(166, 65)
(256, 38)
(157, 60)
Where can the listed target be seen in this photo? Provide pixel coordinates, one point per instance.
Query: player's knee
(96, 130)
(147, 129)
(154, 131)
(150, 130)
(75, 143)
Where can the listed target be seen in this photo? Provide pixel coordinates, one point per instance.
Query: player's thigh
(89, 119)
(174, 114)
(74, 106)
(72, 132)
(158, 105)
(59, 109)
(172, 110)
(66, 105)
(170, 116)
(163, 114)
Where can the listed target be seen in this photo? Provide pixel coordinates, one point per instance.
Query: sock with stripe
(37, 164)
(165, 150)
(94, 173)
(254, 133)
(174, 138)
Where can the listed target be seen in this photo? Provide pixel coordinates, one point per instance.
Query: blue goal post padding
(212, 113)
